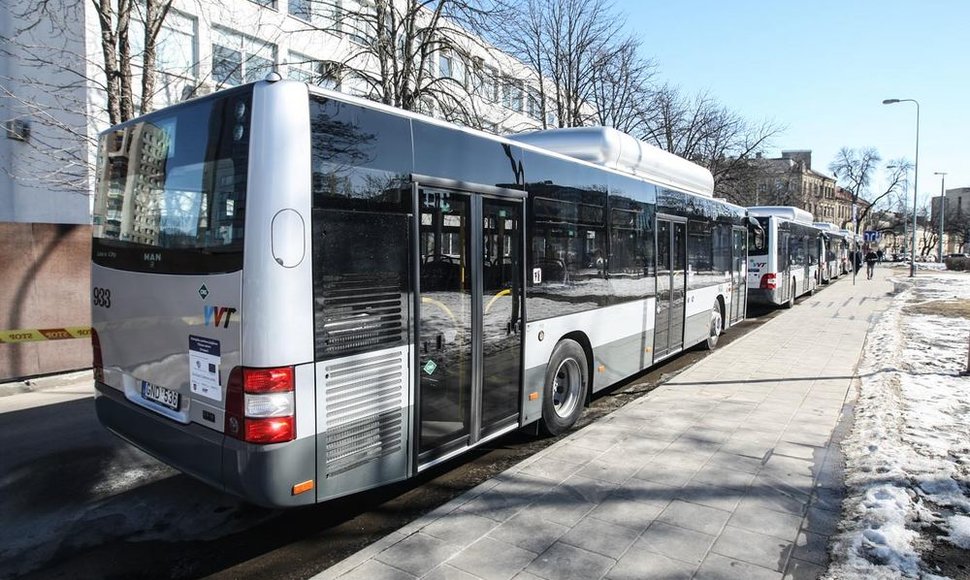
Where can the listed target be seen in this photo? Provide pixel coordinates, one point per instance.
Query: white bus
(835, 257)
(298, 294)
(785, 263)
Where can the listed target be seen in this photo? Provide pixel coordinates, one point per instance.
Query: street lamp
(942, 175)
(912, 257)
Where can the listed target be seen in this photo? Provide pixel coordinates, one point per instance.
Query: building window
(534, 107)
(446, 62)
(301, 67)
(238, 59)
(302, 9)
(512, 94)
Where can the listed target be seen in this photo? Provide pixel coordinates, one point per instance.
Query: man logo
(216, 315)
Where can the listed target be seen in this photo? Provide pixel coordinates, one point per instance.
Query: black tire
(791, 296)
(564, 393)
(715, 328)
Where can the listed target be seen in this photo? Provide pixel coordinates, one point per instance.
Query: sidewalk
(730, 470)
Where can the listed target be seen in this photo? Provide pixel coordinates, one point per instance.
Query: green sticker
(430, 367)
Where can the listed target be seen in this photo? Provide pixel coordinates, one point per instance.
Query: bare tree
(855, 168)
(416, 55)
(621, 87)
(570, 44)
(701, 130)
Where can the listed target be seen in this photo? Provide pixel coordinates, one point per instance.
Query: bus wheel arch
(716, 324)
(567, 384)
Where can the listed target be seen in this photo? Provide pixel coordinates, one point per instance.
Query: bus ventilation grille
(360, 313)
(364, 397)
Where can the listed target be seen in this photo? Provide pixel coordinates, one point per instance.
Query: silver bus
(784, 264)
(834, 261)
(298, 294)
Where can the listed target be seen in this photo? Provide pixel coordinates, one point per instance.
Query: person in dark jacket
(871, 259)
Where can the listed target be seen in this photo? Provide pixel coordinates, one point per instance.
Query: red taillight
(768, 282)
(260, 405)
(97, 362)
(273, 430)
(268, 380)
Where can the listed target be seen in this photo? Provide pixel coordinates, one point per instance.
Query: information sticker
(204, 360)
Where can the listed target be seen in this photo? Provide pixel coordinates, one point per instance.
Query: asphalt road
(75, 501)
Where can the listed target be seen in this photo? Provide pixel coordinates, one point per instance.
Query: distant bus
(298, 294)
(834, 260)
(786, 263)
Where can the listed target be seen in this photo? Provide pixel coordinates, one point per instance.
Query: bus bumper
(259, 474)
(764, 296)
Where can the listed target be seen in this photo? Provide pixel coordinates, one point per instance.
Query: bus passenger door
(469, 331)
(739, 262)
(784, 265)
(671, 286)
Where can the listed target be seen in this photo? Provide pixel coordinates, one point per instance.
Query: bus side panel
(364, 406)
(699, 304)
(278, 286)
(620, 336)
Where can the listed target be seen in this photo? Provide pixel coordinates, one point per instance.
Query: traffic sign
(870, 236)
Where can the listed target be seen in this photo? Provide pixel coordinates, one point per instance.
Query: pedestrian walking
(871, 259)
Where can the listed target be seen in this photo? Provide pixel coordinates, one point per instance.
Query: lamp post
(912, 257)
(942, 175)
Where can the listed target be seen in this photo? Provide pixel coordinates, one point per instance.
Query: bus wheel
(567, 378)
(791, 296)
(716, 327)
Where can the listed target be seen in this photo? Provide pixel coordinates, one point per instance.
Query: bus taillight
(768, 281)
(260, 405)
(97, 362)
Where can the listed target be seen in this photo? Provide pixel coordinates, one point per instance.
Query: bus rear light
(768, 282)
(267, 380)
(271, 430)
(260, 405)
(97, 362)
(269, 405)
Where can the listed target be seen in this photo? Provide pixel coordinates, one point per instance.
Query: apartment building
(53, 105)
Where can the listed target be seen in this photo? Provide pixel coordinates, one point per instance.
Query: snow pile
(908, 456)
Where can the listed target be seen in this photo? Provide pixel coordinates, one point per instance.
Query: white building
(52, 103)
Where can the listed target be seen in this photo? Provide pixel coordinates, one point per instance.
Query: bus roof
(616, 150)
(787, 212)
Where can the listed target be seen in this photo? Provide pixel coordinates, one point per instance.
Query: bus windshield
(171, 189)
(758, 242)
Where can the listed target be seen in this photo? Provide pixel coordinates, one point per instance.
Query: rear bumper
(260, 474)
(764, 296)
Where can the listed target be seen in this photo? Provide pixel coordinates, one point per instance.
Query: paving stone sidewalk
(730, 470)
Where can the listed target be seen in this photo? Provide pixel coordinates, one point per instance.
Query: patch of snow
(908, 456)
(959, 531)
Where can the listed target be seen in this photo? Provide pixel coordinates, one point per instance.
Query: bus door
(671, 285)
(469, 304)
(739, 262)
(784, 265)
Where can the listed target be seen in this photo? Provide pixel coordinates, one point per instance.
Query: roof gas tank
(617, 150)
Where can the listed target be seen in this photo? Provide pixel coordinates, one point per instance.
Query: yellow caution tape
(35, 334)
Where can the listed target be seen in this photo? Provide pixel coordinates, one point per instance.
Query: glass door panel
(501, 311)
(445, 324)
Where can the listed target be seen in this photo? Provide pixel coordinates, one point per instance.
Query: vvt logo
(217, 315)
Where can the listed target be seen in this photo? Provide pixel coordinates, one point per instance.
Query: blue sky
(822, 69)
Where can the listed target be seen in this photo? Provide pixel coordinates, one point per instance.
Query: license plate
(160, 395)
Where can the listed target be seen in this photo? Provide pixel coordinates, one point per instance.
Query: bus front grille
(365, 418)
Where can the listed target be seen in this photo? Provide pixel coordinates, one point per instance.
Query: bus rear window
(170, 193)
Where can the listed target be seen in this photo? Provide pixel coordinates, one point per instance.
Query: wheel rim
(566, 387)
(717, 324)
